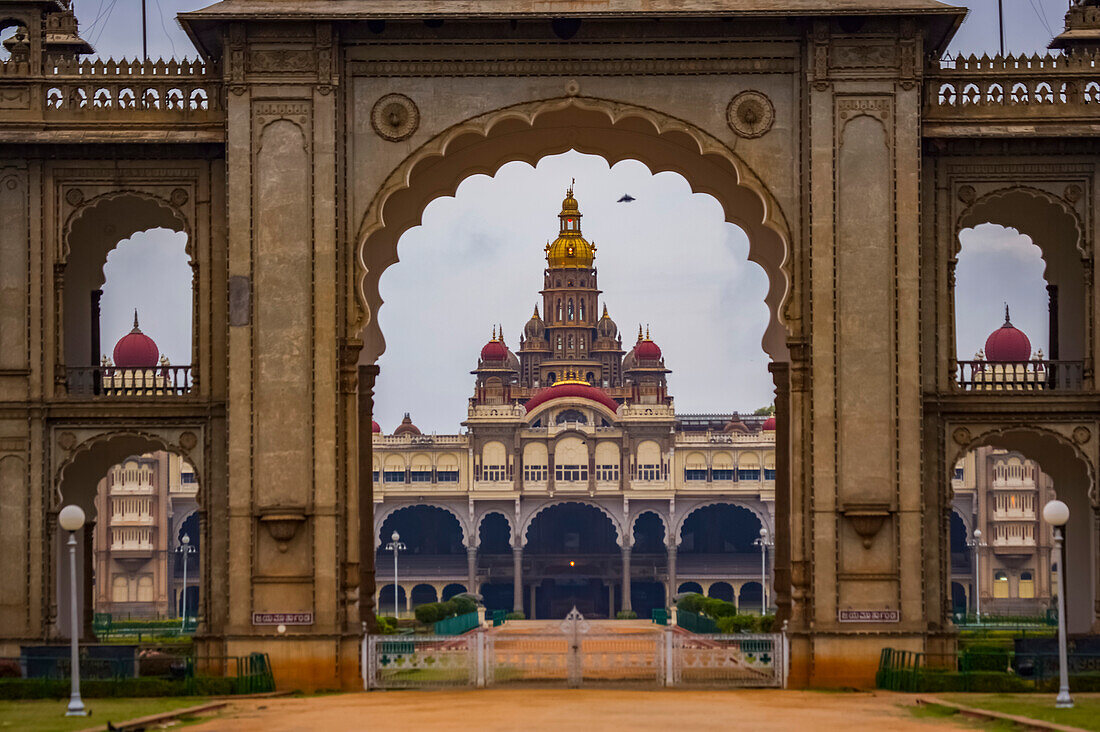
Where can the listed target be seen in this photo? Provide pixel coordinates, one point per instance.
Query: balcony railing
(1018, 376)
(117, 381)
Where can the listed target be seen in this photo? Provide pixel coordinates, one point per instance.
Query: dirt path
(585, 710)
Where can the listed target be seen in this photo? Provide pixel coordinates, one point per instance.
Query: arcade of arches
(310, 136)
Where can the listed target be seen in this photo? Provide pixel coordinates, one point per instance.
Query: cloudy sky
(667, 260)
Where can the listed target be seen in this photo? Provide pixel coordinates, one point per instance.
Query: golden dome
(570, 249)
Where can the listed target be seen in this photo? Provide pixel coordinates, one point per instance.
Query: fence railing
(984, 670)
(118, 381)
(457, 625)
(695, 623)
(42, 671)
(663, 657)
(1020, 376)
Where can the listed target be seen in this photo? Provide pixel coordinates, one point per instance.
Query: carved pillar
(471, 569)
(781, 567)
(671, 571)
(517, 579)
(96, 353)
(626, 577)
(367, 376)
(88, 574)
(1052, 292)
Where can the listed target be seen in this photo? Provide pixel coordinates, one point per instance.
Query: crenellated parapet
(1048, 89)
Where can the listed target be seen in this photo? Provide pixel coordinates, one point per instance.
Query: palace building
(575, 482)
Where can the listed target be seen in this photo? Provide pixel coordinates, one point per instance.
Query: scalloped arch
(486, 514)
(615, 523)
(95, 455)
(978, 212)
(532, 130)
(761, 516)
(96, 204)
(1021, 439)
(380, 518)
(660, 517)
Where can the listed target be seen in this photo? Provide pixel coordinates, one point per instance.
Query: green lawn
(1085, 714)
(47, 715)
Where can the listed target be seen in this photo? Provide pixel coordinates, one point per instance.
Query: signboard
(282, 618)
(868, 616)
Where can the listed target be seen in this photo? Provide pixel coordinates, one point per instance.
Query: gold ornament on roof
(570, 250)
(571, 376)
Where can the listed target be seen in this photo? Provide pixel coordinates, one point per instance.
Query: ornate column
(367, 375)
(471, 569)
(517, 578)
(626, 576)
(781, 558)
(671, 571)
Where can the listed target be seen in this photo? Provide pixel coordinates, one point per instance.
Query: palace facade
(575, 481)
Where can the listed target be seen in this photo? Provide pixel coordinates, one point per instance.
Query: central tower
(574, 338)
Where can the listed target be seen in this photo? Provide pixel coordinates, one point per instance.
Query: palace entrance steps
(577, 652)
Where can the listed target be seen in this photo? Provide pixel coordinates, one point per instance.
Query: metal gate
(575, 653)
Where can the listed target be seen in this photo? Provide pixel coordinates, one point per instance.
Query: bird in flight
(627, 198)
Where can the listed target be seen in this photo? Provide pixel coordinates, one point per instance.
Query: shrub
(463, 604)
(766, 624)
(691, 603)
(736, 624)
(626, 615)
(428, 613)
(515, 616)
(387, 624)
(716, 608)
(985, 657)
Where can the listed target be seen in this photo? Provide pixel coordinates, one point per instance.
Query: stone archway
(1070, 461)
(80, 467)
(611, 129)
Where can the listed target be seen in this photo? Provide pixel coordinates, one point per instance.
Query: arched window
(570, 310)
(582, 340)
(570, 336)
(120, 589)
(145, 588)
(1000, 585)
(559, 309)
(1027, 585)
(580, 306)
(559, 343)
(552, 377)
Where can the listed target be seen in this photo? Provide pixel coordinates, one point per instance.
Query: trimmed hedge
(432, 612)
(515, 616)
(130, 687)
(626, 615)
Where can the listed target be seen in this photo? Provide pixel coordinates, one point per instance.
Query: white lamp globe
(396, 536)
(977, 533)
(71, 518)
(186, 540)
(1056, 513)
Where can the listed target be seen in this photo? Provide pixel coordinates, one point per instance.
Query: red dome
(375, 427)
(582, 391)
(494, 351)
(769, 424)
(647, 350)
(406, 427)
(1007, 343)
(136, 350)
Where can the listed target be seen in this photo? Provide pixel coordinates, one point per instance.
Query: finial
(639, 332)
(647, 331)
(1007, 321)
(605, 310)
(500, 332)
(135, 330)
(536, 315)
(494, 334)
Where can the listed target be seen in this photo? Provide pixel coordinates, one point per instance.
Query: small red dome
(494, 351)
(647, 350)
(375, 427)
(582, 391)
(769, 425)
(135, 350)
(406, 427)
(1007, 343)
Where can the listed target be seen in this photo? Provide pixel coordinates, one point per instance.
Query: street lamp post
(186, 550)
(764, 542)
(976, 544)
(71, 518)
(395, 545)
(1056, 514)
